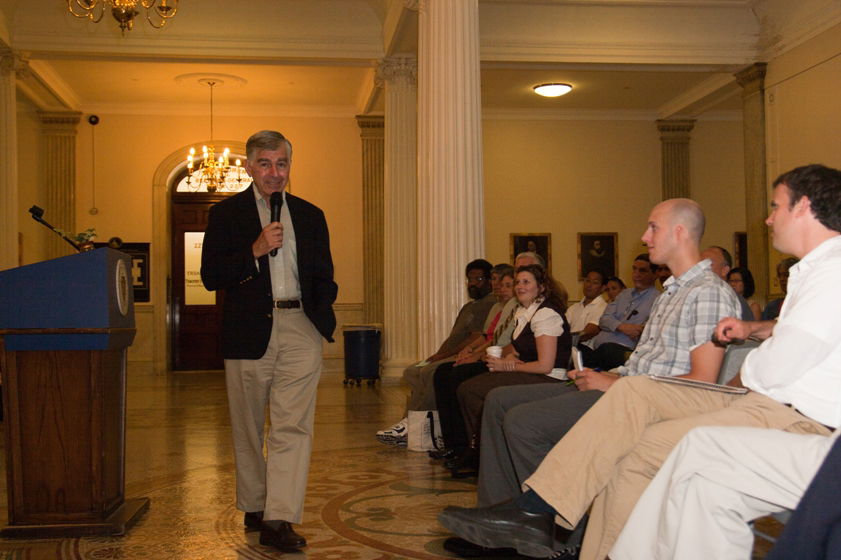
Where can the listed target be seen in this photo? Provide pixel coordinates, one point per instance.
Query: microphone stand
(37, 214)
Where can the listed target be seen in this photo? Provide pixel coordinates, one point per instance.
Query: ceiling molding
(736, 53)
(794, 30)
(568, 115)
(202, 48)
(709, 91)
(183, 110)
(631, 3)
(47, 75)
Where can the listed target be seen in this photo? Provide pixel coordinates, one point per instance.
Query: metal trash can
(362, 354)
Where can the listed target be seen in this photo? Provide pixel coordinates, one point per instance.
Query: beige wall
(565, 177)
(804, 111)
(718, 179)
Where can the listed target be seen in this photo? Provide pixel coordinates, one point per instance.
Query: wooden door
(196, 315)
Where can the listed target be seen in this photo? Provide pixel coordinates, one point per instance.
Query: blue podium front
(65, 327)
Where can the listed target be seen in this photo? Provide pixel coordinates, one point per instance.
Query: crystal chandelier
(214, 173)
(124, 11)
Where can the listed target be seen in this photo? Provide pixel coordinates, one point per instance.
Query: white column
(10, 66)
(398, 75)
(450, 204)
(58, 130)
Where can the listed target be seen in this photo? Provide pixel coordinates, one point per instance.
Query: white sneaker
(395, 435)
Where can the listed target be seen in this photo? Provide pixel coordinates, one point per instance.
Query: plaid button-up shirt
(683, 317)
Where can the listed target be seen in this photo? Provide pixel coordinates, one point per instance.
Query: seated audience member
(520, 425)
(741, 280)
(622, 322)
(772, 310)
(447, 377)
(470, 363)
(502, 280)
(613, 288)
(539, 353)
(608, 458)
(663, 274)
(583, 316)
(722, 262)
(713, 483)
(468, 323)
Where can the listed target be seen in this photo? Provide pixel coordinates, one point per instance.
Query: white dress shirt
(800, 363)
(283, 267)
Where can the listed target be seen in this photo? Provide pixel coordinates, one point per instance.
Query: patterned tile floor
(365, 501)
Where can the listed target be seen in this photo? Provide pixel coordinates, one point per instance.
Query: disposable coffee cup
(494, 351)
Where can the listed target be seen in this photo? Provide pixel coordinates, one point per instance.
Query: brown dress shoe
(253, 519)
(283, 538)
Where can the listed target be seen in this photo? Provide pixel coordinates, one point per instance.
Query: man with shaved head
(676, 342)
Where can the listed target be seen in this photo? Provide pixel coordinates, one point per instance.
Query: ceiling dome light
(552, 90)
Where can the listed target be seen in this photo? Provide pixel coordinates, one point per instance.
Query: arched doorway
(186, 331)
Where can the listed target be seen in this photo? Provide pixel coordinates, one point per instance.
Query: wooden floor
(365, 501)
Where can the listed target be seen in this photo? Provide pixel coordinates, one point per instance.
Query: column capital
(59, 123)
(752, 78)
(675, 130)
(12, 61)
(371, 126)
(397, 70)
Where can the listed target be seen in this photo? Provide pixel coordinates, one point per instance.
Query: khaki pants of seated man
(285, 379)
(612, 453)
(421, 387)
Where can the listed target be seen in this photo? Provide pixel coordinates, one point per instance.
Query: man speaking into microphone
(270, 253)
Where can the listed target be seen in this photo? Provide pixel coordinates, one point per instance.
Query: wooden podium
(65, 325)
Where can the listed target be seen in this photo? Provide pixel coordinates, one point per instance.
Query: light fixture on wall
(214, 173)
(158, 12)
(552, 90)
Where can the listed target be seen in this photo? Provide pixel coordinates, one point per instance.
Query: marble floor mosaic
(365, 501)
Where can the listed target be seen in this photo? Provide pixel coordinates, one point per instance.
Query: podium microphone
(37, 215)
(275, 203)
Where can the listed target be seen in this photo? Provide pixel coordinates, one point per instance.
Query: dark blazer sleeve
(228, 264)
(315, 264)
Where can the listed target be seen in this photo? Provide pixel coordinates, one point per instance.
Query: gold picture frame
(540, 243)
(597, 251)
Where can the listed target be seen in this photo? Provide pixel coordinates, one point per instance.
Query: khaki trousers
(285, 380)
(422, 389)
(612, 453)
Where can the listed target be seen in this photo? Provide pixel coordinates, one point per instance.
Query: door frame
(162, 185)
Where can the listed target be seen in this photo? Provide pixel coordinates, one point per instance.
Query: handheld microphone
(275, 203)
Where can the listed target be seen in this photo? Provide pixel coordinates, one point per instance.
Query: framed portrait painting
(540, 243)
(597, 251)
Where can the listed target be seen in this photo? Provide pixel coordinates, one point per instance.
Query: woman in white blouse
(539, 351)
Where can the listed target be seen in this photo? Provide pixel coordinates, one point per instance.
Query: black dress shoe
(283, 538)
(467, 549)
(467, 464)
(503, 525)
(443, 454)
(253, 519)
(468, 458)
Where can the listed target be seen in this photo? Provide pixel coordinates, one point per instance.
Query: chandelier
(124, 11)
(214, 173)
